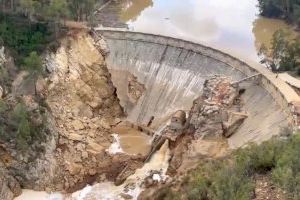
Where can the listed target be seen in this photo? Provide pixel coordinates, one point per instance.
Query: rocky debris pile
(150, 174)
(216, 112)
(135, 89)
(83, 101)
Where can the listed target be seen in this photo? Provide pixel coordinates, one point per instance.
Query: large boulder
(210, 112)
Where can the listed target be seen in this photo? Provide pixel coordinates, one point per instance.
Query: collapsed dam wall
(173, 72)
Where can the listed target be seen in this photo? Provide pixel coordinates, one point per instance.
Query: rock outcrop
(26, 147)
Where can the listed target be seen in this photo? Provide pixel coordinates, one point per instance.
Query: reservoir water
(232, 26)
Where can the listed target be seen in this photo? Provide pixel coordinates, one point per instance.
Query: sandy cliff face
(83, 101)
(81, 108)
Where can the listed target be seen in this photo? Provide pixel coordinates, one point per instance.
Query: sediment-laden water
(233, 26)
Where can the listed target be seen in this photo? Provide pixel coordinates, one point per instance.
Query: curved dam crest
(173, 72)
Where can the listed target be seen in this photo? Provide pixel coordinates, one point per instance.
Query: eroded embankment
(82, 109)
(173, 72)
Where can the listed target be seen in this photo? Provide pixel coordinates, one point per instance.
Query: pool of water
(133, 141)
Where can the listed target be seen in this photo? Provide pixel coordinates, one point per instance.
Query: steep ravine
(82, 109)
(85, 106)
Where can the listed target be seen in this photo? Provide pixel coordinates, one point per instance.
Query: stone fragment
(40, 86)
(75, 137)
(94, 148)
(74, 168)
(234, 122)
(104, 123)
(126, 196)
(92, 172)
(77, 125)
(84, 155)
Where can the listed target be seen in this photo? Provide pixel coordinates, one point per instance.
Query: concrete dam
(173, 72)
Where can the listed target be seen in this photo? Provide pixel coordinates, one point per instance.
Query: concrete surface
(174, 71)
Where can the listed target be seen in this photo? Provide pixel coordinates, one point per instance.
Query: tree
(272, 57)
(23, 134)
(81, 8)
(29, 7)
(288, 9)
(33, 62)
(284, 54)
(58, 9)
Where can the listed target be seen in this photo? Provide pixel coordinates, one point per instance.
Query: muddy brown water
(233, 26)
(133, 141)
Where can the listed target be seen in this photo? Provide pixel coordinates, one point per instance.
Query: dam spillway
(173, 72)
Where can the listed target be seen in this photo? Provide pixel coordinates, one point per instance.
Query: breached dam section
(173, 72)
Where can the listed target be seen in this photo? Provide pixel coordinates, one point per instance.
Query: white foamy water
(133, 185)
(38, 195)
(115, 147)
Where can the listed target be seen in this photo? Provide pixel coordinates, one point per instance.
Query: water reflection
(232, 25)
(264, 28)
(131, 9)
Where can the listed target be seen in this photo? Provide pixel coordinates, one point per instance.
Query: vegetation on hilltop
(27, 27)
(23, 38)
(285, 9)
(51, 9)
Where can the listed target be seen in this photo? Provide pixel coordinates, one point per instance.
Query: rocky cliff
(83, 101)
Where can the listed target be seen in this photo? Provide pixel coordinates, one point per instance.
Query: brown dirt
(266, 190)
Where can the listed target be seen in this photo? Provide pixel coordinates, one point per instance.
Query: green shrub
(16, 125)
(231, 183)
(23, 134)
(287, 171)
(33, 63)
(3, 106)
(165, 193)
(199, 188)
(258, 158)
(23, 37)
(219, 180)
(232, 178)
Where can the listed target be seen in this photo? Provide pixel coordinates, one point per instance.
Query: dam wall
(173, 72)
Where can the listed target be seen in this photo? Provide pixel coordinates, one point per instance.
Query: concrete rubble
(216, 113)
(135, 89)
